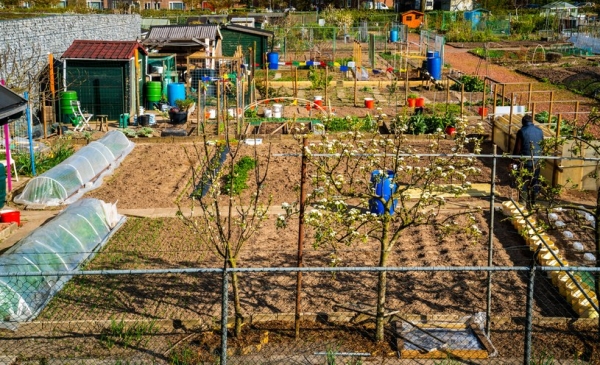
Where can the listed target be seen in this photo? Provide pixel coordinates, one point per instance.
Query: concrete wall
(27, 42)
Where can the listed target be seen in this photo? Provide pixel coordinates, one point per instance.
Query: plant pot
(411, 102)
(450, 130)
(178, 117)
(420, 102)
(482, 111)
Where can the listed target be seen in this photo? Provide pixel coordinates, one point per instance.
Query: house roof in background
(559, 5)
(174, 34)
(12, 105)
(249, 30)
(102, 50)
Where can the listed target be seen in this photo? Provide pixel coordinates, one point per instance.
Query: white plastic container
(212, 114)
(268, 113)
(568, 235)
(589, 257)
(277, 110)
(151, 119)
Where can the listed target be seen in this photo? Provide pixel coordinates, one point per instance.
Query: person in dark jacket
(527, 145)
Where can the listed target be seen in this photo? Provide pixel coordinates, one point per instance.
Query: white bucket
(141, 111)
(277, 108)
(231, 112)
(212, 114)
(158, 69)
(318, 98)
(321, 22)
(351, 64)
(268, 113)
(164, 107)
(151, 119)
(276, 114)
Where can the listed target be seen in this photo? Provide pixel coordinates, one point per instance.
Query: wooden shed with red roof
(105, 76)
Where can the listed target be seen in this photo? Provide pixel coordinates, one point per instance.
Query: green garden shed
(104, 75)
(234, 35)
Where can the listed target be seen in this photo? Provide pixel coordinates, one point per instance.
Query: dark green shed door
(101, 86)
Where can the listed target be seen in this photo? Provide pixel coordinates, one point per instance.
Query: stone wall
(26, 43)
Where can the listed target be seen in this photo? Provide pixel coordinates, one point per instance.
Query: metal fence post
(224, 311)
(488, 310)
(529, 311)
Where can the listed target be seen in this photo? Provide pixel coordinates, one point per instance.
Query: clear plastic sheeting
(80, 173)
(61, 245)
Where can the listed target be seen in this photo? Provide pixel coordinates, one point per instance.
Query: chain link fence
(433, 315)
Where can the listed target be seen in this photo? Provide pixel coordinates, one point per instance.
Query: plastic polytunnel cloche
(52, 251)
(78, 174)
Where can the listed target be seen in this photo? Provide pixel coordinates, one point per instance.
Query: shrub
(471, 83)
(553, 56)
(60, 150)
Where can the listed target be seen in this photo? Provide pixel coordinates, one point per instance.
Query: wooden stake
(296, 82)
(267, 83)
(530, 95)
(326, 81)
(551, 106)
(218, 104)
(355, 85)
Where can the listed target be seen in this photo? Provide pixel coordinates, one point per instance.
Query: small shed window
(417, 16)
(409, 18)
(176, 5)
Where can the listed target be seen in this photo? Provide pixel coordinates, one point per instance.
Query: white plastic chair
(82, 118)
(12, 162)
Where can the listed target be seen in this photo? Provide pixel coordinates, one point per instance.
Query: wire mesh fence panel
(137, 318)
(430, 316)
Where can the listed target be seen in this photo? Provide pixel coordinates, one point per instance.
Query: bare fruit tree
(225, 213)
(372, 188)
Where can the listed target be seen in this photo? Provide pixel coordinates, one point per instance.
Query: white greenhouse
(78, 174)
(52, 251)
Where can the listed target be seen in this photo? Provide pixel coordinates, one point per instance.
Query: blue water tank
(273, 60)
(434, 67)
(393, 36)
(175, 91)
(384, 186)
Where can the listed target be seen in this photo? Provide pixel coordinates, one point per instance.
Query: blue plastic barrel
(393, 36)
(432, 54)
(384, 187)
(434, 67)
(175, 91)
(273, 59)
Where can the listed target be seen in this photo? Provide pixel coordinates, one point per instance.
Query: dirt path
(461, 60)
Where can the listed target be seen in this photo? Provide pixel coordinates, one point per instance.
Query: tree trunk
(597, 241)
(382, 282)
(237, 307)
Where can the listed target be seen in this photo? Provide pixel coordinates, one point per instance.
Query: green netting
(61, 245)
